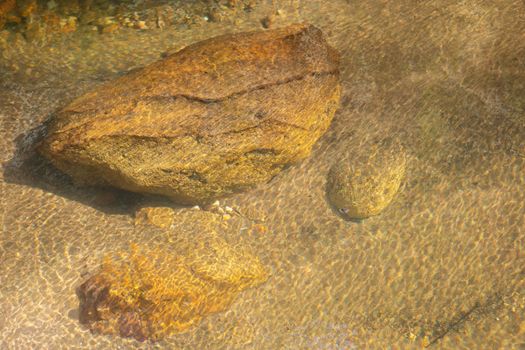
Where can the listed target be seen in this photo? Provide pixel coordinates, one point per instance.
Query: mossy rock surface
(362, 183)
(217, 117)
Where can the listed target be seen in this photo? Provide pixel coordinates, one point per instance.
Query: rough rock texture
(150, 293)
(219, 116)
(363, 182)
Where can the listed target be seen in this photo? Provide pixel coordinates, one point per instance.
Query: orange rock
(150, 293)
(214, 118)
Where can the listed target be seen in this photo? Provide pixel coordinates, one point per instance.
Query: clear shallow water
(444, 261)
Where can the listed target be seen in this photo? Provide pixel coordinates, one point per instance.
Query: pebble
(267, 21)
(141, 25)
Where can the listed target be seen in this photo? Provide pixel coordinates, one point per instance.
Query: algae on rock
(217, 117)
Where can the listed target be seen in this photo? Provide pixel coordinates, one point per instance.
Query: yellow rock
(217, 117)
(362, 183)
(150, 293)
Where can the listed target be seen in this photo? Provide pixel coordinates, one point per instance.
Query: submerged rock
(364, 182)
(150, 293)
(219, 116)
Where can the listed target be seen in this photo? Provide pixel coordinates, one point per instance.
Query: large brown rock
(218, 116)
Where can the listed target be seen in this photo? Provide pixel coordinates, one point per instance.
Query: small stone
(362, 183)
(267, 21)
(162, 217)
(141, 25)
(216, 204)
(228, 209)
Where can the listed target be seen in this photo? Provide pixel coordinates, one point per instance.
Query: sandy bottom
(443, 266)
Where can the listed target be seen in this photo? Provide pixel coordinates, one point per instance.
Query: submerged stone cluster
(215, 118)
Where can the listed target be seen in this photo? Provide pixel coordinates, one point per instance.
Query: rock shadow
(27, 167)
